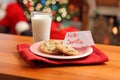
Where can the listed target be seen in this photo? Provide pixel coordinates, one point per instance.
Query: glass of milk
(41, 25)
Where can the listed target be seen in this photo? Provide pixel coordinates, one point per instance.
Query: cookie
(67, 50)
(49, 47)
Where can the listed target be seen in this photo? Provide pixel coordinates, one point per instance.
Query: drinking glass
(41, 25)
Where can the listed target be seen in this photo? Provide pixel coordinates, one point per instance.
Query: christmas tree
(59, 8)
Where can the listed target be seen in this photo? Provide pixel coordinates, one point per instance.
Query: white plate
(85, 51)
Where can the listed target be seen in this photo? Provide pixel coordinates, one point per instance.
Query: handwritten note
(79, 39)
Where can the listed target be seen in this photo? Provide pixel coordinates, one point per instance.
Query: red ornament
(75, 18)
(53, 12)
(71, 8)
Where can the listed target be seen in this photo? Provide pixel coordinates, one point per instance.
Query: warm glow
(115, 30)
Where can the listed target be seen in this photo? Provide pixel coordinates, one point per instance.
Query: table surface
(12, 64)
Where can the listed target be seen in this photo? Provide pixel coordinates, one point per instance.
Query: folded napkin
(96, 57)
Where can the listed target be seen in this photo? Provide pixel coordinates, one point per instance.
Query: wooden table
(13, 66)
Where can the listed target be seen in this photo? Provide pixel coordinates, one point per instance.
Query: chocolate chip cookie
(49, 47)
(67, 50)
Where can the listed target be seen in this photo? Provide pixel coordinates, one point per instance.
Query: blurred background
(102, 17)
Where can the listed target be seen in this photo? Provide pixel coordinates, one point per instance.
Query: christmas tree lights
(59, 8)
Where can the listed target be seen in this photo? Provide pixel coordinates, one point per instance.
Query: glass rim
(41, 12)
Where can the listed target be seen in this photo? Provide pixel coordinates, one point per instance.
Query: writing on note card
(78, 39)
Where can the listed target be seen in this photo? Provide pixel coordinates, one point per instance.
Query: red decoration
(71, 8)
(53, 12)
(75, 18)
(60, 34)
(14, 15)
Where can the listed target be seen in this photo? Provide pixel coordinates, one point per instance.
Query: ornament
(68, 17)
(47, 3)
(53, 2)
(43, 2)
(31, 9)
(60, 10)
(49, 10)
(54, 7)
(25, 1)
(64, 14)
(75, 18)
(31, 3)
(53, 12)
(38, 7)
(71, 8)
(58, 18)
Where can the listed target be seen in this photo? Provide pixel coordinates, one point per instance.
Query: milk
(41, 26)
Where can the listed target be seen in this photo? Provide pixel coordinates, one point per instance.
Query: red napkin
(96, 57)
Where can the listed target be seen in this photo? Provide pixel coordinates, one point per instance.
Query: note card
(79, 39)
